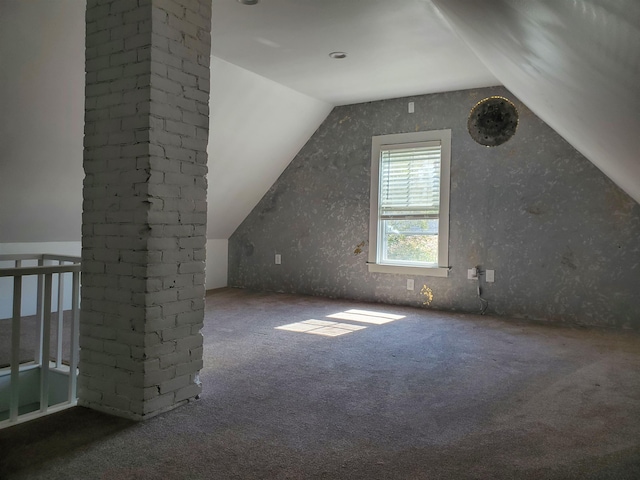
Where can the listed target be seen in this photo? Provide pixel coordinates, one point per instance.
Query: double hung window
(409, 224)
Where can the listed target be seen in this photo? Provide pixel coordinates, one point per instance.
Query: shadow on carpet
(30, 445)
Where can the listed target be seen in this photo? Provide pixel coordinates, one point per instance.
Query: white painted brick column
(144, 210)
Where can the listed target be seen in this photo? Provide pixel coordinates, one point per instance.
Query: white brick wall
(144, 210)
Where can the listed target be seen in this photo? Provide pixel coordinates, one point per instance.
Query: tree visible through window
(410, 188)
(411, 241)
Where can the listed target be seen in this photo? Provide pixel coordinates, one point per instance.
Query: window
(409, 223)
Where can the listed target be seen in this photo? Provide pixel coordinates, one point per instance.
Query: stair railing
(47, 267)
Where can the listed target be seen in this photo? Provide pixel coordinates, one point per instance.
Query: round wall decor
(493, 121)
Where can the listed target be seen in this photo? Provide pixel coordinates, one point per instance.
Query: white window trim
(442, 270)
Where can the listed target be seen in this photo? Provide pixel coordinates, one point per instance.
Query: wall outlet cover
(490, 276)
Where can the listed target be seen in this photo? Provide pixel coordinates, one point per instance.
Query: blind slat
(410, 181)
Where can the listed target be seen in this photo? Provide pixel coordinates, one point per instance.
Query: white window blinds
(410, 181)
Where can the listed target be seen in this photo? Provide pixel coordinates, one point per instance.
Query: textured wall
(563, 239)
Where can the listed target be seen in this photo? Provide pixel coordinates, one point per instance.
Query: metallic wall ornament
(493, 121)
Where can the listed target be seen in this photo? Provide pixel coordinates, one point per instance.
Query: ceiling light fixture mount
(493, 121)
(248, 2)
(338, 55)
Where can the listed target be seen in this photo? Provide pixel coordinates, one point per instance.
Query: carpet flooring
(30, 339)
(295, 388)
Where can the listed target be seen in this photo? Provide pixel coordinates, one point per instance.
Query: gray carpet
(30, 337)
(429, 396)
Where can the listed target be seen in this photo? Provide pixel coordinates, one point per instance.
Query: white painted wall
(217, 263)
(41, 119)
(257, 127)
(57, 248)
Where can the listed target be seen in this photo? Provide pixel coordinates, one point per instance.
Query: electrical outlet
(409, 283)
(411, 107)
(278, 259)
(472, 274)
(490, 276)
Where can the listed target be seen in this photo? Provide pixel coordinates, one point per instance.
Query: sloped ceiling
(272, 85)
(576, 64)
(273, 81)
(256, 128)
(41, 120)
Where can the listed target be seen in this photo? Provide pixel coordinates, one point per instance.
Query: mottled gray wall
(563, 239)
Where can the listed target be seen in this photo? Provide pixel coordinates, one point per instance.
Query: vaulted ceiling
(273, 81)
(575, 63)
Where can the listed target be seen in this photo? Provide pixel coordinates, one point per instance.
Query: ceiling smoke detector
(338, 55)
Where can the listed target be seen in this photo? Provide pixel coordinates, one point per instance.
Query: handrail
(73, 266)
(61, 258)
(38, 256)
(24, 271)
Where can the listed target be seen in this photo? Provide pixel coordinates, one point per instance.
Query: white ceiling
(395, 48)
(575, 64)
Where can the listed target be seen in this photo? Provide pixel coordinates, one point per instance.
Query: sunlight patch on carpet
(321, 327)
(366, 316)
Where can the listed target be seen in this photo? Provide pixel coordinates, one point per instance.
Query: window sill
(404, 269)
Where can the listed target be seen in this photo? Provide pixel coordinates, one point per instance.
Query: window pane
(408, 241)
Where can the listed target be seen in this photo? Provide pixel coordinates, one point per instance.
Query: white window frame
(377, 144)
